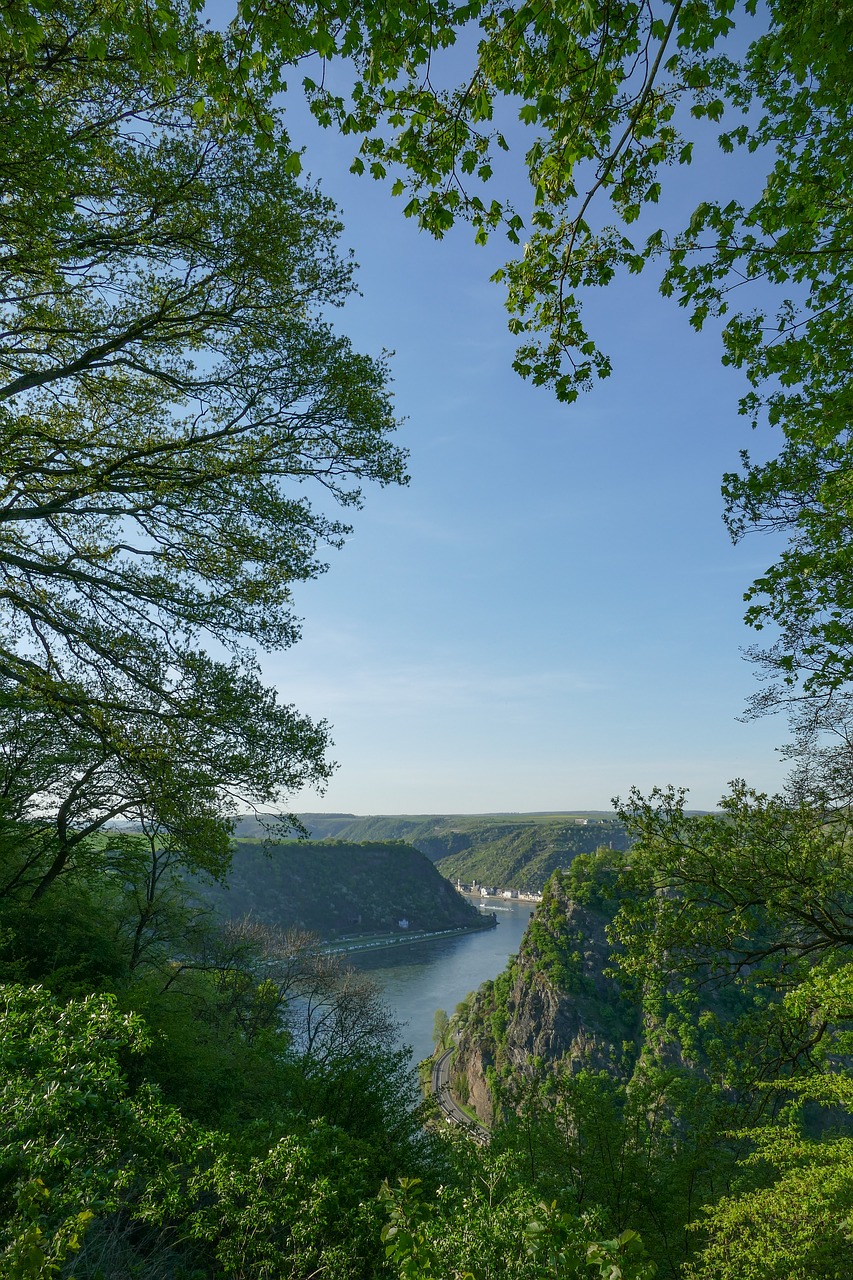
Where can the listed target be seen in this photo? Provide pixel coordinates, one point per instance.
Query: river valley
(436, 974)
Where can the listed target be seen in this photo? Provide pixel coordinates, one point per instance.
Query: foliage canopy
(601, 100)
(171, 391)
(180, 426)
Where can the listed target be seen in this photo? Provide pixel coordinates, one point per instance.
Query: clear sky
(552, 611)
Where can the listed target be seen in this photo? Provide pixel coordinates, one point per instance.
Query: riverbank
(496, 895)
(377, 942)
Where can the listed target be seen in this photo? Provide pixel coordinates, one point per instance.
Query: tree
(796, 1224)
(746, 920)
(169, 389)
(162, 214)
(609, 93)
(763, 882)
(487, 1221)
(644, 1153)
(86, 1149)
(63, 778)
(441, 1029)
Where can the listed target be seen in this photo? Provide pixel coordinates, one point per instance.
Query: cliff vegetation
(673, 1041)
(524, 856)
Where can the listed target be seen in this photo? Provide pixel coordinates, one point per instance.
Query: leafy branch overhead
(171, 385)
(180, 423)
(598, 102)
(165, 369)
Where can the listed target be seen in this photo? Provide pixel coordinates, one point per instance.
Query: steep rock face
(548, 1021)
(555, 1004)
(470, 1076)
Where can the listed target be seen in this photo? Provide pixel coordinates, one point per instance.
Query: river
(419, 978)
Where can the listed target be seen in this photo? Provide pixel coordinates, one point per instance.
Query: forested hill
(668, 1045)
(523, 857)
(517, 851)
(337, 887)
(351, 826)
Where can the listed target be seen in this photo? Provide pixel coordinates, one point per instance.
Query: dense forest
(337, 887)
(672, 1043)
(666, 1066)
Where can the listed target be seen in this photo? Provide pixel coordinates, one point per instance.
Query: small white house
(403, 924)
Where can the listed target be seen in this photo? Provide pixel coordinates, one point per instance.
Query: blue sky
(552, 610)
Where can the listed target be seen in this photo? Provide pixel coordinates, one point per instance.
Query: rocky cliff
(556, 1003)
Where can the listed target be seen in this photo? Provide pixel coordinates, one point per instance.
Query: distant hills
(518, 851)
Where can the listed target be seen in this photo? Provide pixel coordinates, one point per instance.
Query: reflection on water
(419, 978)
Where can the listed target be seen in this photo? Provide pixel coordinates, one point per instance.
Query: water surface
(418, 978)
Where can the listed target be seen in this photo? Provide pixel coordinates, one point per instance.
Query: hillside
(350, 826)
(517, 851)
(337, 887)
(525, 856)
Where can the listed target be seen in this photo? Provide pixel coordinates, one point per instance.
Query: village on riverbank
(476, 890)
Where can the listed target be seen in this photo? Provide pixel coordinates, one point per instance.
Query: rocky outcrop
(556, 1006)
(472, 1067)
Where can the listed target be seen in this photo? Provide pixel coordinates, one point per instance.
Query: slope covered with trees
(673, 1041)
(337, 887)
(523, 857)
(501, 850)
